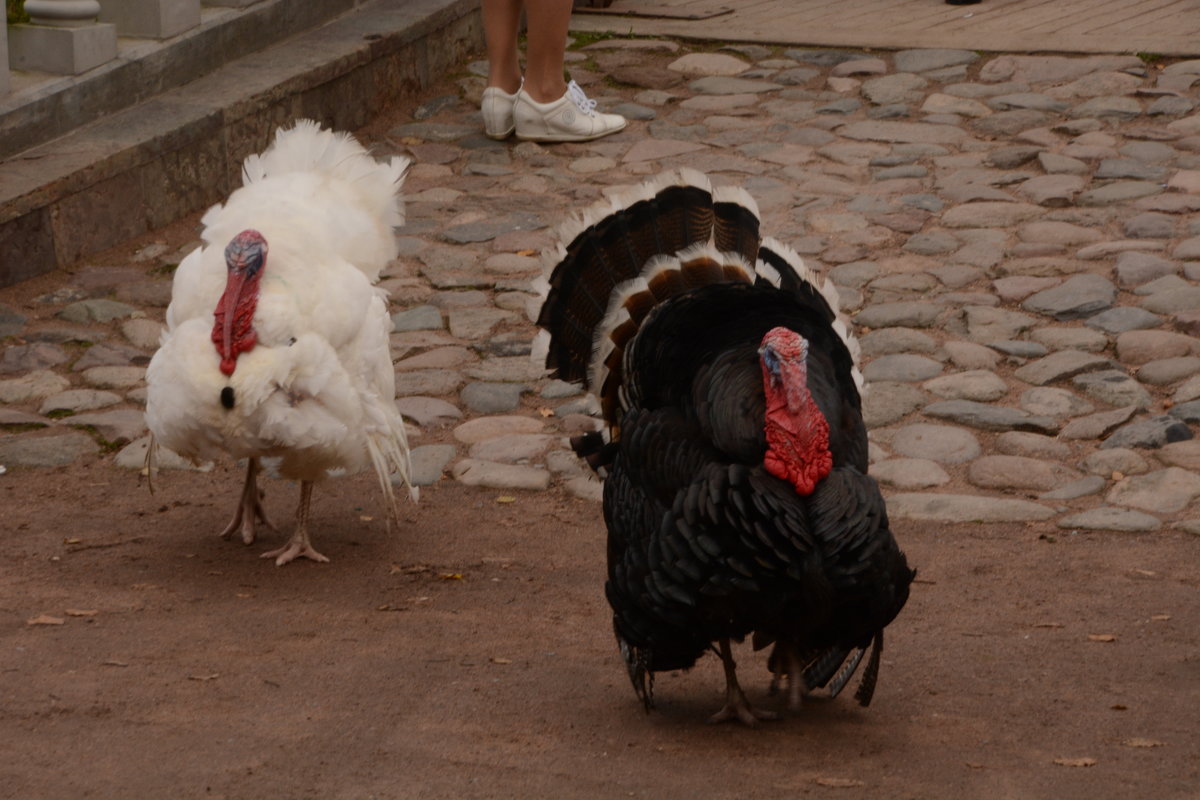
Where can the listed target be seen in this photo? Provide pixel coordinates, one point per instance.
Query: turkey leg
(298, 545)
(736, 705)
(790, 666)
(249, 508)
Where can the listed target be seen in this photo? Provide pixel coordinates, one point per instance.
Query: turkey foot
(249, 508)
(299, 545)
(791, 669)
(736, 705)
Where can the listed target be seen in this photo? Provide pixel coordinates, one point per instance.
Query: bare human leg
(501, 19)
(547, 45)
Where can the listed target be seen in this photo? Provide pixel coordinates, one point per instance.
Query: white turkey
(735, 456)
(276, 343)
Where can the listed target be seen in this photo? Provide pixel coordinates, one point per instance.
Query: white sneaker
(497, 110)
(571, 118)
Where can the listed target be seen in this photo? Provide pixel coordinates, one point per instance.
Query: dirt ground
(468, 653)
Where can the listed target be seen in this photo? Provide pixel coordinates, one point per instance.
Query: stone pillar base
(63, 51)
(152, 19)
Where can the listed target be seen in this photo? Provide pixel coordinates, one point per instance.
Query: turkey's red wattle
(233, 328)
(796, 431)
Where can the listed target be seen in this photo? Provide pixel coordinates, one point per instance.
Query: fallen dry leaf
(1137, 741)
(365, 518)
(213, 676)
(1075, 762)
(840, 783)
(1102, 637)
(45, 619)
(73, 540)
(451, 576)
(546, 412)
(390, 607)
(1146, 573)
(81, 612)
(504, 498)
(527, 252)
(112, 662)
(1160, 617)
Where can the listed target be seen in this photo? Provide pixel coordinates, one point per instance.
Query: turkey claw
(743, 712)
(293, 550)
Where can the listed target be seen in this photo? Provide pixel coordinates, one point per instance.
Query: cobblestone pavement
(1015, 238)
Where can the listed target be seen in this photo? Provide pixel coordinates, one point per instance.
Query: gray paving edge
(181, 151)
(65, 104)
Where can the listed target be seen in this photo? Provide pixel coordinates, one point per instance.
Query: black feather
(703, 543)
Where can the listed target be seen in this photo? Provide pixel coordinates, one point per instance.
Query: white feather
(318, 388)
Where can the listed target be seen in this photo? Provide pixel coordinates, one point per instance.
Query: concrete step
(181, 150)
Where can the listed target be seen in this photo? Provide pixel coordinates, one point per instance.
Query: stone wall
(182, 151)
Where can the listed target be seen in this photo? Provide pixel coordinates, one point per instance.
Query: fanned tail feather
(307, 147)
(866, 689)
(625, 255)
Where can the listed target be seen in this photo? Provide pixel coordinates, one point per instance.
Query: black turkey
(734, 455)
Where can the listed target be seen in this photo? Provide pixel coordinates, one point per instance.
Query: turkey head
(796, 431)
(233, 330)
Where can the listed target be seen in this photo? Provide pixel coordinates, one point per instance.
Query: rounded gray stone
(1150, 226)
(1166, 371)
(77, 400)
(1018, 472)
(421, 318)
(1124, 318)
(909, 473)
(1122, 460)
(887, 402)
(933, 507)
(429, 463)
(1110, 519)
(888, 341)
(427, 382)
(492, 398)
(1077, 297)
(1166, 490)
(904, 314)
(1083, 487)
(1032, 445)
(980, 385)
(54, 450)
(901, 367)
(491, 475)
(944, 444)
(1083, 339)
(1149, 433)
(1136, 268)
(1114, 387)
(988, 417)
(1060, 366)
(1054, 402)
(426, 411)
(1097, 425)
(512, 448)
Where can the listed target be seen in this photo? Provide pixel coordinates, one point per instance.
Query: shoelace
(582, 101)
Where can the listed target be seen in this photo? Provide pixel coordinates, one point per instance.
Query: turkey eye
(291, 341)
(227, 397)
